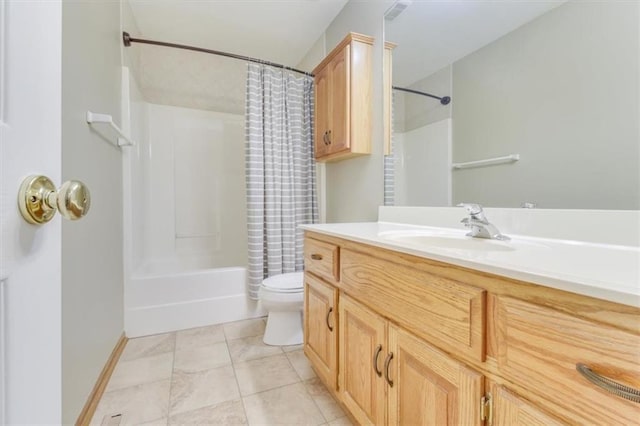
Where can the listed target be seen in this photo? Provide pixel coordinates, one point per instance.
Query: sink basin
(446, 240)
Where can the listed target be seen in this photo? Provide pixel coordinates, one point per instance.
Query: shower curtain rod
(127, 40)
(443, 100)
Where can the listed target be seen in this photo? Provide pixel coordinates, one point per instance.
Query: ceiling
(280, 31)
(432, 34)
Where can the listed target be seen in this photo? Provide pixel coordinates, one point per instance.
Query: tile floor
(221, 374)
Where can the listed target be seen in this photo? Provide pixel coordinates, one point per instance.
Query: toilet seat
(286, 283)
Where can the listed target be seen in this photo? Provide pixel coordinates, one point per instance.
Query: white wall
(314, 56)
(355, 186)
(561, 91)
(92, 272)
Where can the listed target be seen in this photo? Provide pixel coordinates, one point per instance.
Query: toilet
(282, 296)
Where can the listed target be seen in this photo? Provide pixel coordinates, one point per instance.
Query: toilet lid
(290, 282)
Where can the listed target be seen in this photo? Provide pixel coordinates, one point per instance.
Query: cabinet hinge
(486, 409)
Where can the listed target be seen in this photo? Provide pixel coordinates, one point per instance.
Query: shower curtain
(280, 170)
(390, 164)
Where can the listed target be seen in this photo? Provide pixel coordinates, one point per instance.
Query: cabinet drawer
(538, 348)
(445, 312)
(321, 259)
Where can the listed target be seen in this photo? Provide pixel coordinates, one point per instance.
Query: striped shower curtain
(390, 164)
(280, 170)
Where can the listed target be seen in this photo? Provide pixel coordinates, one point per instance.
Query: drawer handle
(315, 256)
(375, 360)
(387, 362)
(327, 319)
(609, 385)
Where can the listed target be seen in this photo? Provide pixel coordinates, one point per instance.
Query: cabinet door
(362, 337)
(340, 88)
(322, 111)
(429, 387)
(320, 332)
(511, 410)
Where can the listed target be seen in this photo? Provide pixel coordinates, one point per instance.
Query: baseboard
(94, 397)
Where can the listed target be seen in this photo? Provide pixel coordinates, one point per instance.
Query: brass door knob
(38, 199)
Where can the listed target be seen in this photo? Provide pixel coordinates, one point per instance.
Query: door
(322, 111)
(340, 90)
(511, 410)
(320, 328)
(429, 387)
(30, 259)
(362, 351)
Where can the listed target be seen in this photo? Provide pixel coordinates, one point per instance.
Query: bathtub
(163, 297)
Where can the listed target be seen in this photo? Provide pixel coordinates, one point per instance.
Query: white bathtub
(162, 298)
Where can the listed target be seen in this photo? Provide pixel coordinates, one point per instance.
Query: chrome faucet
(479, 225)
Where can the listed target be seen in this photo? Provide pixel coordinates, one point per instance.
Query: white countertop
(603, 271)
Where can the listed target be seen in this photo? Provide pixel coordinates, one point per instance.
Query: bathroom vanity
(422, 325)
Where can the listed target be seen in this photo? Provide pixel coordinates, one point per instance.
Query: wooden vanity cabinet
(320, 333)
(362, 348)
(430, 387)
(388, 376)
(510, 409)
(446, 312)
(343, 104)
(541, 347)
(417, 341)
(320, 326)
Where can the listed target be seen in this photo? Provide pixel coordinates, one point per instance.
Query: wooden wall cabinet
(403, 340)
(343, 100)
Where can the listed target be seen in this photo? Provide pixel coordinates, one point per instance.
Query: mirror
(544, 108)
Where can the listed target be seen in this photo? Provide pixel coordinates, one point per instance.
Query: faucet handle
(472, 208)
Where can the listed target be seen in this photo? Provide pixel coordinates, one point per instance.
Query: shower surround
(185, 217)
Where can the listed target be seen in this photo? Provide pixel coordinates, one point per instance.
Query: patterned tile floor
(221, 374)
